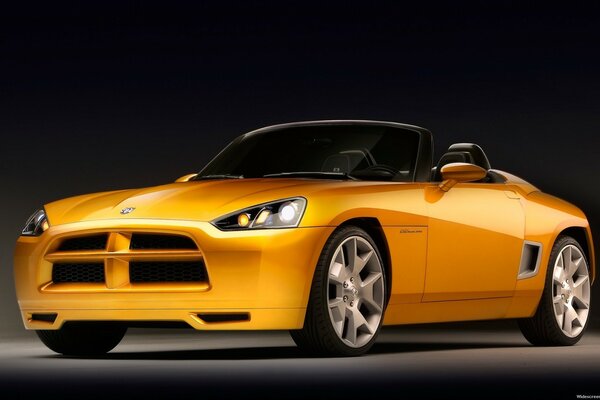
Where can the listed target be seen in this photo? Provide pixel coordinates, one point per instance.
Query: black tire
(83, 339)
(542, 329)
(318, 336)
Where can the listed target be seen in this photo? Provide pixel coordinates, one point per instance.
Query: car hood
(196, 200)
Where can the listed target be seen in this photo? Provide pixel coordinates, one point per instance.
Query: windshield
(363, 152)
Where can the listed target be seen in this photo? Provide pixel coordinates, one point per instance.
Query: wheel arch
(584, 238)
(374, 228)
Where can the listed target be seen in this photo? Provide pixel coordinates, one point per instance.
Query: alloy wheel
(355, 291)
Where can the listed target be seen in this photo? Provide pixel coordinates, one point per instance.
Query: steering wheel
(383, 168)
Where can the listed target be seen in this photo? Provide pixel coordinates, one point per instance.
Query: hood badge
(127, 210)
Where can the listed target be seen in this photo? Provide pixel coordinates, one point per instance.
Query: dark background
(131, 94)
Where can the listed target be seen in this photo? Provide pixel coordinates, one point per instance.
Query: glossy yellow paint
(450, 255)
(460, 172)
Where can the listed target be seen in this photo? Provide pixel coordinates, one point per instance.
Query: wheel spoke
(337, 272)
(560, 317)
(356, 321)
(580, 299)
(338, 313)
(581, 302)
(578, 292)
(361, 261)
(581, 280)
(567, 256)
(368, 293)
(559, 309)
(351, 328)
(351, 253)
(362, 321)
(559, 274)
(557, 299)
(578, 261)
(559, 261)
(574, 266)
(570, 318)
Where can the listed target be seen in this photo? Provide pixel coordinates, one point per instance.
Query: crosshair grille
(128, 261)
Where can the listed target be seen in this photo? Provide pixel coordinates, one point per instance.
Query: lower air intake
(212, 318)
(143, 241)
(78, 273)
(91, 242)
(49, 317)
(166, 271)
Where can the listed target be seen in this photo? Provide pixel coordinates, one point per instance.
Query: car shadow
(417, 347)
(285, 352)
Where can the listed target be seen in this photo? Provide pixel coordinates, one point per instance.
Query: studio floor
(464, 361)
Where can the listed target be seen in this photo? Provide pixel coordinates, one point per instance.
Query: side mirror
(460, 172)
(186, 178)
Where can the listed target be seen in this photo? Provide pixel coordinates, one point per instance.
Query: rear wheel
(562, 315)
(83, 339)
(347, 298)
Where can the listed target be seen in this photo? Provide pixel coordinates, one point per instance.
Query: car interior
(362, 165)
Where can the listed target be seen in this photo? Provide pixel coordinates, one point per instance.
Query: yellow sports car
(328, 229)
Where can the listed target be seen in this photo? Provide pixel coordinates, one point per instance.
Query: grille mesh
(167, 271)
(95, 242)
(141, 241)
(78, 272)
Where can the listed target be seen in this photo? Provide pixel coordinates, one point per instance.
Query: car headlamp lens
(36, 224)
(285, 213)
(243, 220)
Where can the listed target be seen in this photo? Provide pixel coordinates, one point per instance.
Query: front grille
(94, 242)
(124, 261)
(78, 272)
(142, 241)
(166, 271)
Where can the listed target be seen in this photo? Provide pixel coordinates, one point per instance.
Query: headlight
(36, 224)
(285, 213)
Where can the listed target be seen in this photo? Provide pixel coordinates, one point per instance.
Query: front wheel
(83, 339)
(563, 312)
(347, 298)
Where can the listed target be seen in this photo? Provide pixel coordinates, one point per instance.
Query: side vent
(530, 259)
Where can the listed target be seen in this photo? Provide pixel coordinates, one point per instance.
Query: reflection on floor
(441, 361)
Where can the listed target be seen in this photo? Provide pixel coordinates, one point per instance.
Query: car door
(475, 240)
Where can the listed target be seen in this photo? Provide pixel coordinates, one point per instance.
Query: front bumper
(265, 274)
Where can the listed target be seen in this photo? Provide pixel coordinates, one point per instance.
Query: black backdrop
(130, 94)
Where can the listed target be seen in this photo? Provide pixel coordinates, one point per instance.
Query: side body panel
(475, 242)
(545, 218)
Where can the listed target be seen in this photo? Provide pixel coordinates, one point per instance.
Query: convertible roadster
(328, 229)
